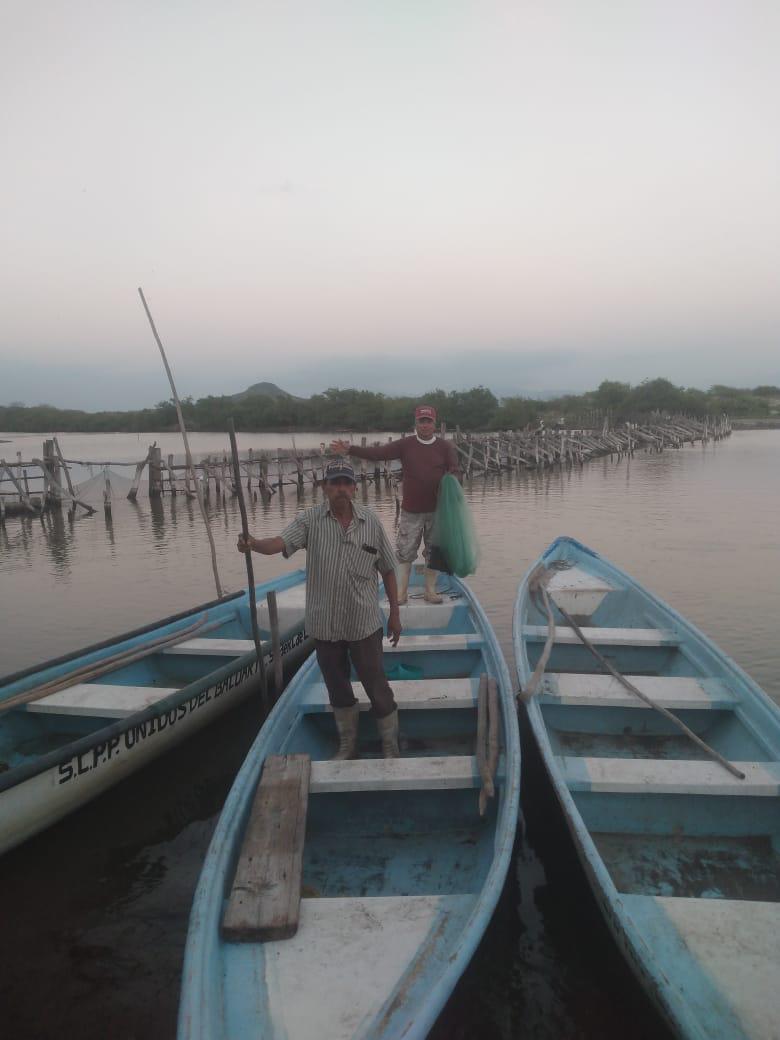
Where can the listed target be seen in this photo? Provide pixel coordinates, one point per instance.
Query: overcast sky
(390, 195)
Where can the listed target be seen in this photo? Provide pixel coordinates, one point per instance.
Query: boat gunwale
(222, 854)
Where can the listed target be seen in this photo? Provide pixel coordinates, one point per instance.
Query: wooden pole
(67, 472)
(276, 645)
(186, 444)
(249, 569)
(155, 471)
(171, 476)
(50, 493)
(131, 494)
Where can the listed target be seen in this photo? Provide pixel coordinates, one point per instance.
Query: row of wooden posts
(537, 449)
(41, 483)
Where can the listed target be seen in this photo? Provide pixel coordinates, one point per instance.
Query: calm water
(95, 911)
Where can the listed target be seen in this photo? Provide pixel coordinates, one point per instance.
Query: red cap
(425, 411)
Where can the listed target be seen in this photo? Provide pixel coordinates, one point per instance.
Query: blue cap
(339, 468)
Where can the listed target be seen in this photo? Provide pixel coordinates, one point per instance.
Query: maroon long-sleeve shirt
(423, 464)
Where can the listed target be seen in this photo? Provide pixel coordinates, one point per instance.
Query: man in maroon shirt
(425, 459)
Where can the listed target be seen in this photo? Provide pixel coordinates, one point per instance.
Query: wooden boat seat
(264, 901)
(395, 774)
(410, 694)
(577, 579)
(669, 776)
(604, 691)
(577, 591)
(212, 647)
(100, 699)
(434, 641)
(290, 606)
(605, 636)
(237, 647)
(416, 613)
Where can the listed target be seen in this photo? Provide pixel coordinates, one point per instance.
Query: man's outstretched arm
(379, 453)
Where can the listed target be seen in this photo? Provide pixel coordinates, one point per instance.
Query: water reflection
(105, 929)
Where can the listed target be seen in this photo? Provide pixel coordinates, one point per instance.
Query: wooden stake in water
(249, 569)
(186, 445)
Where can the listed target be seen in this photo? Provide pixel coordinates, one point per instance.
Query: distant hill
(264, 390)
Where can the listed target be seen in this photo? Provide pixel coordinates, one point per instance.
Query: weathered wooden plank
(264, 902)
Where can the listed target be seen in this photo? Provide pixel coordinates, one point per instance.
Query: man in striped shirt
(346, 548)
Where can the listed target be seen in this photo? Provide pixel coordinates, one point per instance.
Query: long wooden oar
(249, 569)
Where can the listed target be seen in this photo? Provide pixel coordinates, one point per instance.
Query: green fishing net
(454, 547)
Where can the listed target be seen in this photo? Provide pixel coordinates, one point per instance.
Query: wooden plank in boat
(410, 694)
(100, 699)
(212, 647)
(395, 774)
(290, 603)
(669, 776)
(419, 614)
(604, 691)
(443, 641)
(264, 902)
(605, 636)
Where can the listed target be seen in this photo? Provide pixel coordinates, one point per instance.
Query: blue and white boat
(73, 727)
(682, 850)
(389, 872)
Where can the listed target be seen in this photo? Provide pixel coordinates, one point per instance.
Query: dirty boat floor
(746, 867)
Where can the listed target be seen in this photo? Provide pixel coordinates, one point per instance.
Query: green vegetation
(475, 409)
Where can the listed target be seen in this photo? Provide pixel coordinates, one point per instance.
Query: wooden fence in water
(30, 487)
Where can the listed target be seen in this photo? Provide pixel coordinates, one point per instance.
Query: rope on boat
(487, 738)
(109, 664)
(537, 586)
(540, 580)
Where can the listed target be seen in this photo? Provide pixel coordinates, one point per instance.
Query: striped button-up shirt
(341, 570)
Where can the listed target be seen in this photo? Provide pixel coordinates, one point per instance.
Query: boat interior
(91, 702)
(373, 824)
(666, 818)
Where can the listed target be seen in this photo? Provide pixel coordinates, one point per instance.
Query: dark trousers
(366, 654)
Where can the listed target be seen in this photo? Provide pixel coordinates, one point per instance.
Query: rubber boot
(347, 725)
(388, 734)
(404, 570)
(431, 595)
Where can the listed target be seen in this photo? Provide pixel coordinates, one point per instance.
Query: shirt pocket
(362, 564)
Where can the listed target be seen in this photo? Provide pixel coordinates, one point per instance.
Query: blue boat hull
(683, 856)
(161, 683)
(400, 872)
